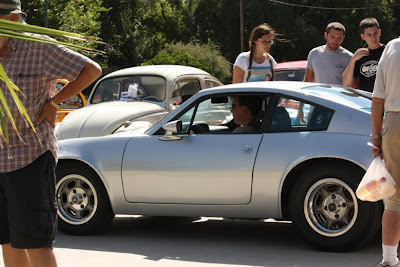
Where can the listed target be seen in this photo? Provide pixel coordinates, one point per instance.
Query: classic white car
(303, 165)
(137, 93)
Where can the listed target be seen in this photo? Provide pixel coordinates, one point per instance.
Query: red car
(291, 70)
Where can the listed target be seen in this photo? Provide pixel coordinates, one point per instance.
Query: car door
(210, 166)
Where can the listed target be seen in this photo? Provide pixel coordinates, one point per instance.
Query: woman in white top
(256, 64)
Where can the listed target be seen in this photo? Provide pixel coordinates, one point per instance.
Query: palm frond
(17, 35)
(3, 130)
(12, 88)
(17, 30)
(16, 26)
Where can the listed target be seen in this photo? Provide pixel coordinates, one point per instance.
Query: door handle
(247, 149)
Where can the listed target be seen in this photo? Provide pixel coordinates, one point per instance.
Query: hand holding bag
(377, 183)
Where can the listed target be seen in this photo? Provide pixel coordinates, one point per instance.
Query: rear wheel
(326, 211)
(83, 203)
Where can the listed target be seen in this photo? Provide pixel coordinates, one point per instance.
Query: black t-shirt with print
(365, 69)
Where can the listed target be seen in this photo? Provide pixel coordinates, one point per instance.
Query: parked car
(303, 166)
(71, 104)
(291, 70)
(145, 93)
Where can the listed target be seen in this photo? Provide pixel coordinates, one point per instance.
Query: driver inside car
(246, 110)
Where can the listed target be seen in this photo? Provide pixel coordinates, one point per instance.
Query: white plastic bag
(377, 183)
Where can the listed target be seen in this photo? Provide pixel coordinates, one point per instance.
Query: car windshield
(130, 88)
(348, 96)
(290, 75)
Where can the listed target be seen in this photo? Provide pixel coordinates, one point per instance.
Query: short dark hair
(253, 102)
(337, 26)
(368, 23)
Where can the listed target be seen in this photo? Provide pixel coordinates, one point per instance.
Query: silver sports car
(143, 92)
(303, 164)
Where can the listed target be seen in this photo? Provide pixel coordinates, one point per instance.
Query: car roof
(293, 88)
(298, 64)
(160, 70)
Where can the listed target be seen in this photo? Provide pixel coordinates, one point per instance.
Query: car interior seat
(281, 120)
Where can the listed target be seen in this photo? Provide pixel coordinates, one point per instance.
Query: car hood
(102, 119)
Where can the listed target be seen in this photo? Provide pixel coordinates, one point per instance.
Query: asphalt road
(157, 241)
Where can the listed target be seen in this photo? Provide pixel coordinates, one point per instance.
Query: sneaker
(385, 264)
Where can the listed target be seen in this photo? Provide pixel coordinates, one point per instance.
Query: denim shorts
(28, 207)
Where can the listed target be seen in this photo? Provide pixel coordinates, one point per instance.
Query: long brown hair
(257, 32)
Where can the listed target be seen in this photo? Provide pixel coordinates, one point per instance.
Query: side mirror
(172, 127)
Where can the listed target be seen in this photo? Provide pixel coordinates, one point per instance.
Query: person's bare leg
(391, 228)
(14, 257)
(42, 257)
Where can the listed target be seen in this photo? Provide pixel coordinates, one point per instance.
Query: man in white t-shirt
(386, 141)
(326, 63)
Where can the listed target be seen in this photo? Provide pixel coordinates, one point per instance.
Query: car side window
(210, 115)
(73, 102)
(183, 89)
(213, 114)
(107, 90)
(295, 115)
(211, 83)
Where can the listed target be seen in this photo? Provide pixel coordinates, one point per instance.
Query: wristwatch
(54, 104)
(375, 136)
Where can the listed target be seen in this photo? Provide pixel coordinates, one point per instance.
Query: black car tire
(83, 204)
(326, 211)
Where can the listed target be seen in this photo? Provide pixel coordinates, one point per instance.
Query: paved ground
(151, 241)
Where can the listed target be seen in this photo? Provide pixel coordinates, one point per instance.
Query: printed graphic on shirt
(260, 74)
(368, 69)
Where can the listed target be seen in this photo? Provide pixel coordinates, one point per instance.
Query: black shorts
(28, 207)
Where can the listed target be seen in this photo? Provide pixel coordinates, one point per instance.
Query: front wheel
(83, 204)
(325, 209)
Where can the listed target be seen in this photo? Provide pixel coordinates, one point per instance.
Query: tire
(83, 204)
(325, 209)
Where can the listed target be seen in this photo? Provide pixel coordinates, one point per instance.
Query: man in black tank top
(361, 71)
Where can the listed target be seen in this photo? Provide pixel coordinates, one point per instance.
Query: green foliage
(82, 16)
(137, 30)
(77, 16)
(206, 57)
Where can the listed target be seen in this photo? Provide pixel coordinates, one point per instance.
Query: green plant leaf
(3, 129)
(17, 35)
(16, 26)
(18, 30)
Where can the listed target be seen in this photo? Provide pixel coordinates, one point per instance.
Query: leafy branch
(18, 30)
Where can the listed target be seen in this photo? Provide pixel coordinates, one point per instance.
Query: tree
(206, 57)
(137, 30)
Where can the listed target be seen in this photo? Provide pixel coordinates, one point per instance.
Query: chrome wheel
(330, 207)
(77, 199)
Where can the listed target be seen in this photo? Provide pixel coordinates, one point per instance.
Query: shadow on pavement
(216, 240)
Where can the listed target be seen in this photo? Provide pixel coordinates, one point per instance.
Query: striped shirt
(34, 67)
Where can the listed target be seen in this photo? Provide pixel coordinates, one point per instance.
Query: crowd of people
(329, 63)
(374, 69)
